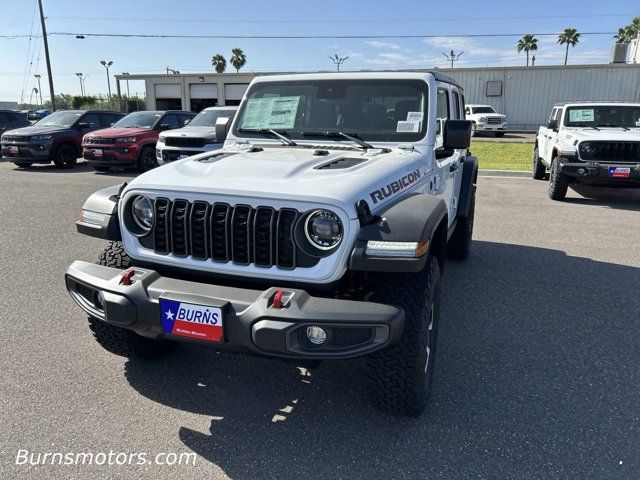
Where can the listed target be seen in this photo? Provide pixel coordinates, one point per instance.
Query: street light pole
(79, 75)
(39, 88)
(46, 54)
(106, 64)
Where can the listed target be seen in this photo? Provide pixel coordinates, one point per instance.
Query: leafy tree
(528, 43)
(238, 59)
(570, 37)
(219, 63)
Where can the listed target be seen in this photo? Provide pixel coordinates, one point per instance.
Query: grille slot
(223, 233)
(350, 337)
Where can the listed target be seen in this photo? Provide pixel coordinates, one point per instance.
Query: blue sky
(289, 17)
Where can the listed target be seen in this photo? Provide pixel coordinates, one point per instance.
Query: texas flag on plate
(188, 320)
(620, 172)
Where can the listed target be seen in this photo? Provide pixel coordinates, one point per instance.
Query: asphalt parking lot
(536, 375)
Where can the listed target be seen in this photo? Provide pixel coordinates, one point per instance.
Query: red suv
(132, 140)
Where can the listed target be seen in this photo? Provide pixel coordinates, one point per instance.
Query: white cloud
(378, 44)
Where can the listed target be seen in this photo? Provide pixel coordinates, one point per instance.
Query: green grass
(503, 155)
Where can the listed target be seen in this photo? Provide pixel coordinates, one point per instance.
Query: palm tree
(219, 63)
(238, 59)
(528, 43)
(570, 37)
(622, 36)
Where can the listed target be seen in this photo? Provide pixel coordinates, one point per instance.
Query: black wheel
(147, 159)
(121, 341)
(102, 169)
(537, 168)
(558, 181)
(499, 134)
(459, 246)
(399, 377)
(23, 164)
(66, 157)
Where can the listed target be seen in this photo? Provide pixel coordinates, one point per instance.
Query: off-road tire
(399, 377)
(147, 159)
(23, 164)
(558, 181)
(121, 341)
(102, 169)
(66, 156)
(538, 170)
(459, 245)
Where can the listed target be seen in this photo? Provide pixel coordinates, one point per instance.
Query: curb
(504, 173)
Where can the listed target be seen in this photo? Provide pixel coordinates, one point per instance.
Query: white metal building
(524, 94)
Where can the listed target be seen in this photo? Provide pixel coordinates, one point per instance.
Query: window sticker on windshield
(415, 116)
(408, 127)
(271, 112)
(582, 115)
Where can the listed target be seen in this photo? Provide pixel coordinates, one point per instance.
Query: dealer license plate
(96, 152)
(180, 156)
(620, 172)
(13, 150)
(203, 322)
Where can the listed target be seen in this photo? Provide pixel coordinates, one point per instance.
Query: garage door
(168, 91)
(203, 90)
(235, 91)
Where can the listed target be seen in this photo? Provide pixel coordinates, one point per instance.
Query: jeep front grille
(224, 233)
(185, 142)
(611, 151)
(99, 141)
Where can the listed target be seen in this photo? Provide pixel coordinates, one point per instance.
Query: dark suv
(55, 138)
(10, 120)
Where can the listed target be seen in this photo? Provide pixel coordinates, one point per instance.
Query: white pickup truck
(589, 143)
(484, 118)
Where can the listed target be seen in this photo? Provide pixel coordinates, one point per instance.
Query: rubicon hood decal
(395, 187)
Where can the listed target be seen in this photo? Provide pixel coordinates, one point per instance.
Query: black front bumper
(251, 323)
(27, 153)
(602, 174)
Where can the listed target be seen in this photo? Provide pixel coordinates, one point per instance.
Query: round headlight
(142, 211)
(323, 229)
(587, 148)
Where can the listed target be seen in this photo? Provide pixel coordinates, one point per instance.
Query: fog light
(98, 300)
(316, 335)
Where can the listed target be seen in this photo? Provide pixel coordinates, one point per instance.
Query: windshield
(208, 118)
(624, 116)
(138, 120)
(483, 110)
(382, 110)
(59, 119)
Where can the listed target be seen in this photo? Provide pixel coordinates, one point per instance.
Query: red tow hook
(127, 277)
(277, 299)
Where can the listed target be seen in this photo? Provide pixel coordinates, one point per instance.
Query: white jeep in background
(319, 232)
(589, 143)
(484, 118)
(197, 136)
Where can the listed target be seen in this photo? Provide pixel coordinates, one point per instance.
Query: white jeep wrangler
(589, 143)
(484, 118)
(318, 232)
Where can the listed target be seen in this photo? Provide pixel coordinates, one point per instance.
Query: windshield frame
(395, 137)
(41, 122)
(592, 124)
(141, 112)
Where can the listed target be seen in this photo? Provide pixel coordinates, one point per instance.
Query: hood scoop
(341, 163)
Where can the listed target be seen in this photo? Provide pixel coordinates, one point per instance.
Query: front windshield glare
(373, 110)
(483, 110)
(138, 120)
(209, 118)
(603, 116)
(59, 119)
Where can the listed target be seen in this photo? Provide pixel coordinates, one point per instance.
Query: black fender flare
(416, 218)
(468, 185)
(103, 202)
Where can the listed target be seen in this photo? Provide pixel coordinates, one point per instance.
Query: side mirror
(83, 125)
(457, 135)
(222, 128)
(164, 126)
(553, 125)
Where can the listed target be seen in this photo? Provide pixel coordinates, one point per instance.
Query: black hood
(37, 130)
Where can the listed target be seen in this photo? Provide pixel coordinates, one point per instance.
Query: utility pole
(533, 60)
(106, 64)
(39, 87)
(452, 57)
(79, 75)
(338, 61)
(46, 54)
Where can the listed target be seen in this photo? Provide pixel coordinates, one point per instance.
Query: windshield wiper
(347, 136)
(285, 140)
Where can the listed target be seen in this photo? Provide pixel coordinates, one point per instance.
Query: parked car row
(108, 139)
